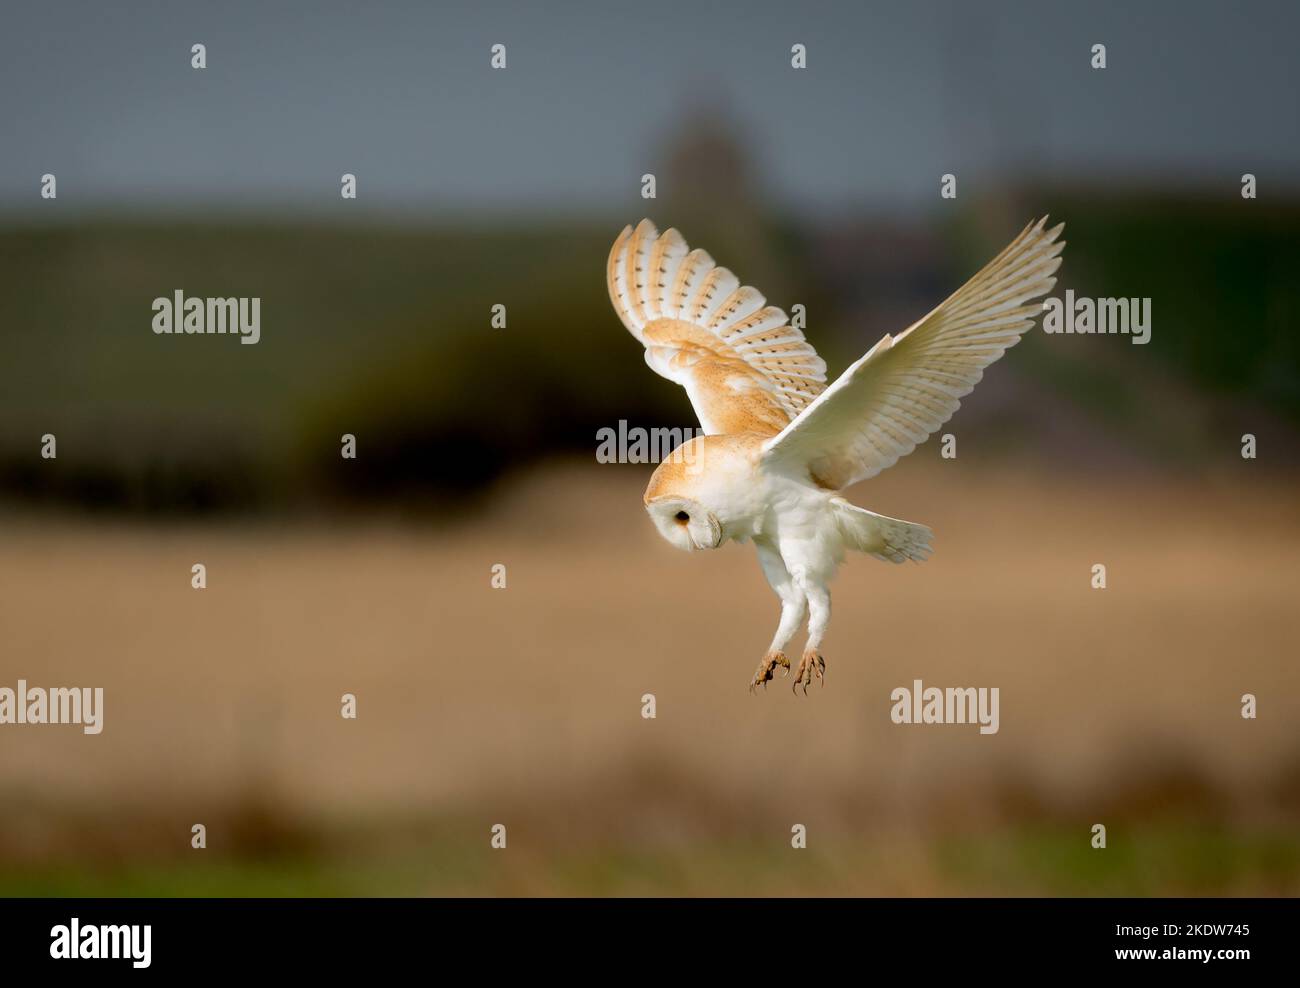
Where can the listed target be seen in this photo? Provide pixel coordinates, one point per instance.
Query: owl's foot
(811, 666)
(767, 668)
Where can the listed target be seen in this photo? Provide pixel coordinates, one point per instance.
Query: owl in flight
(778, 444)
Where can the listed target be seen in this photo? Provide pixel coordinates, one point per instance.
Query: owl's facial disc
(685, 523)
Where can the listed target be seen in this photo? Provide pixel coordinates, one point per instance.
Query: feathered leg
(812, 665)
(792, 611)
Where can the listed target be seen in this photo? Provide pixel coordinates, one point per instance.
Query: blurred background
(476, 446)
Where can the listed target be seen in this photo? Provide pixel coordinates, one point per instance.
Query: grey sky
(401, 94)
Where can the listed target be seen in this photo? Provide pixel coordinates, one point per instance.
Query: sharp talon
(767, 670)
(811, 666)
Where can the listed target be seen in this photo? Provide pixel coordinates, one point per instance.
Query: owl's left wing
(744, 368)
(908, 385)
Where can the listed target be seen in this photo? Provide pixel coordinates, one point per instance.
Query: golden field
(523, 706)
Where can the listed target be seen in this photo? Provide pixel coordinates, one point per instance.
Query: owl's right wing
(744, 368)
(908, 385)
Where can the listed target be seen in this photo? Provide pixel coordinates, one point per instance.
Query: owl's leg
(812, 665)
(792, 611)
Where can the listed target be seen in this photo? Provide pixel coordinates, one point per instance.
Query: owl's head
(682, 499)
(685, 522)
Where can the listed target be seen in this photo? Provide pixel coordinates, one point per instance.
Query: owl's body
(779, 444)
(801, 530)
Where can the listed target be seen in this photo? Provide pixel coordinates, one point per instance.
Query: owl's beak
(715, 532)
(717, 541)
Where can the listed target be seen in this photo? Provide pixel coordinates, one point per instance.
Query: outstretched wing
(744, 368)
(908, 385)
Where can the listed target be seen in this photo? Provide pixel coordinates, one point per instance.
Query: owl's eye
(682, 516)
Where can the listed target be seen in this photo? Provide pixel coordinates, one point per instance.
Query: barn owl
(778, 445)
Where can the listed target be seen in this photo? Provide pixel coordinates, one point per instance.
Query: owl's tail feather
(890, 539)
